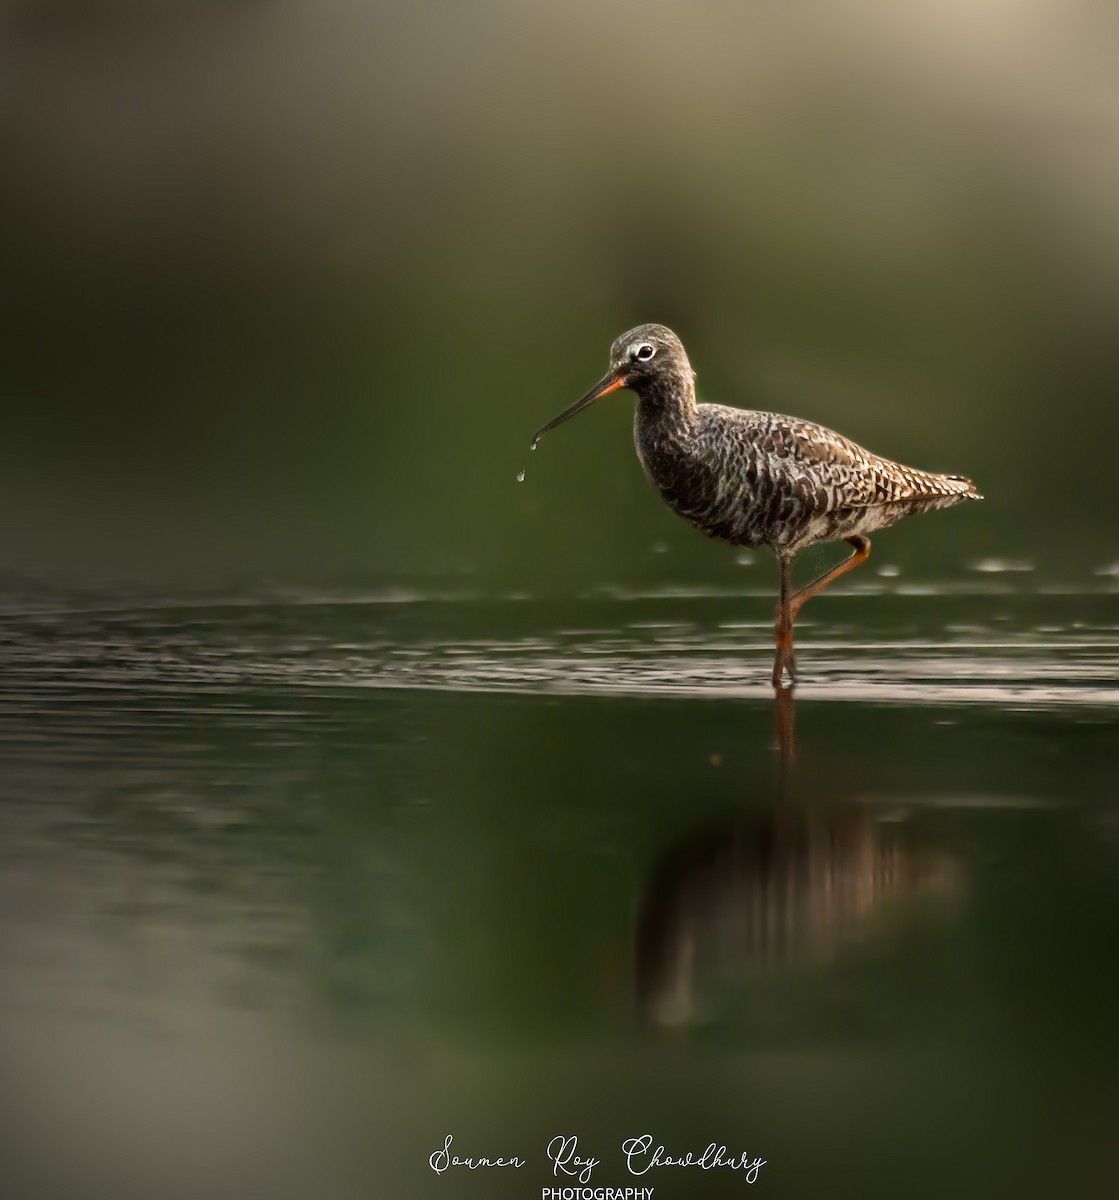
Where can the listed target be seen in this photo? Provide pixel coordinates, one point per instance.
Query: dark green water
(292, 886)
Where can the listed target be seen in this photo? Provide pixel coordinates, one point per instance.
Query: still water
(294, 885)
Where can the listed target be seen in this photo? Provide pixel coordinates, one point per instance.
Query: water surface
(294, 884)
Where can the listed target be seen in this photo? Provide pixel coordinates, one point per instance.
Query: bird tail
(960, 485)
(938, 490)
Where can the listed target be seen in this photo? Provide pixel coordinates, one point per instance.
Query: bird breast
(707, 481)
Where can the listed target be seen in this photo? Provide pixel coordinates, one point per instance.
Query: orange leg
(783, 629)
(791, 605)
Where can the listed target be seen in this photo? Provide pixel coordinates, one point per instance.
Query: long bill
(610, 382)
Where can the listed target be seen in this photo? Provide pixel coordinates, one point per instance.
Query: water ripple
(656, 647)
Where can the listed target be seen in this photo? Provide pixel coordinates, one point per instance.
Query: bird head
(639, 359)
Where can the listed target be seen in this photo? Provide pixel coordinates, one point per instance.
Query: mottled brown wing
(849, 475)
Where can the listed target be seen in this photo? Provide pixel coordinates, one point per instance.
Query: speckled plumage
(759, 478)
(762, 479)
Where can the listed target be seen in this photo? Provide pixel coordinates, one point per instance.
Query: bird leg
(783, 630)
(790, 605)
(861, 548)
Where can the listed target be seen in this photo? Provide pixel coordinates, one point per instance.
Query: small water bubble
(521, 475)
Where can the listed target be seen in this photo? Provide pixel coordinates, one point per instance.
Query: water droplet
(521, 476)
(532, 446)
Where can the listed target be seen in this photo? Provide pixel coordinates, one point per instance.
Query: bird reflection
(774, 890)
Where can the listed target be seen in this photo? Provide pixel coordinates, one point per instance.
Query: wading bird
(758, 478)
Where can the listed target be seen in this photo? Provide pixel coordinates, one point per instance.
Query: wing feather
(839, 472)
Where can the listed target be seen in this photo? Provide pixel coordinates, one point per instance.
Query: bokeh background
(288, 285)
(294, 881)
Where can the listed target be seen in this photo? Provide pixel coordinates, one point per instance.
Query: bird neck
(668, 403)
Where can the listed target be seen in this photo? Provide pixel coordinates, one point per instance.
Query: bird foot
(784, 662)
(780, 684)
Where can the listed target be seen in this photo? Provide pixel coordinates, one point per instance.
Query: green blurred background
(292, 886)
(289, 285)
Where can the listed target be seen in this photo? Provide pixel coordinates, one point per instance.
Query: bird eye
(644, 352)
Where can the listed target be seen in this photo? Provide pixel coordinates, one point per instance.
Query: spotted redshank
(758, 478)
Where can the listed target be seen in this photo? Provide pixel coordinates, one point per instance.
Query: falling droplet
(521, 476)
(532, 446)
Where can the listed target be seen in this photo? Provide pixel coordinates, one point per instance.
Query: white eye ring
(644, 352)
